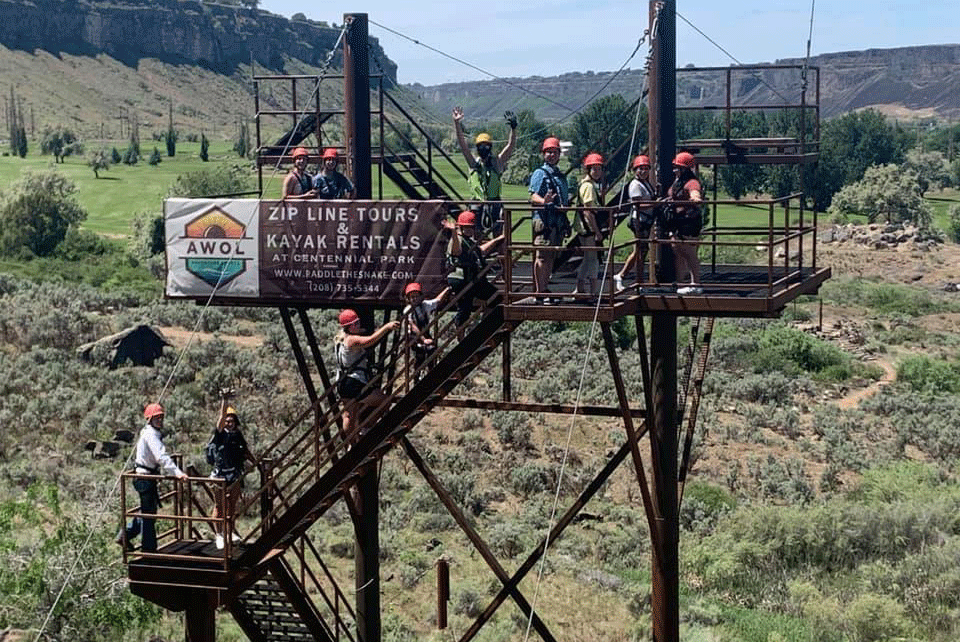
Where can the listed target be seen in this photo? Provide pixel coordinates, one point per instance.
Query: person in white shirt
(151, 459)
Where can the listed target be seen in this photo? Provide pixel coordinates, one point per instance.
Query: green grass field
(123, 191)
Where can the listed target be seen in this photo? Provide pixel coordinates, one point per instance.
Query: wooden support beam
(555, 408)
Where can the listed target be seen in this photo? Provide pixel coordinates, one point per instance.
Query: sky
(546, 38)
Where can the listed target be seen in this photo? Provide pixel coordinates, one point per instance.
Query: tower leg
(665, 595)
(201, 616)
(367, 558)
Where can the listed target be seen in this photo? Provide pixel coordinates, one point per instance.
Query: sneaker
(617, 282)
(218, 541)
(235, 538)
(690, 289)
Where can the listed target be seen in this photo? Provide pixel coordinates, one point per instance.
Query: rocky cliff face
(179, 31)
(905, 82)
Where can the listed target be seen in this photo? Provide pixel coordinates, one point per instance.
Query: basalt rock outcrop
(214, 36)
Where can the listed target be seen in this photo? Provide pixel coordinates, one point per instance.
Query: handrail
(423, 132)
(416, 151)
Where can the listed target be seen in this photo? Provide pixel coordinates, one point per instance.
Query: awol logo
(218, 254)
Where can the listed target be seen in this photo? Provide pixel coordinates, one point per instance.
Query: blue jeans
(149, 501)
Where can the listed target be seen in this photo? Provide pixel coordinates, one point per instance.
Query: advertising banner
(309, 251)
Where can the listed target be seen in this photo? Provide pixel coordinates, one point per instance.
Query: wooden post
(443, 591)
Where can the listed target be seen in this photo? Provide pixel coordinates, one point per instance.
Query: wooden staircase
(274, 582)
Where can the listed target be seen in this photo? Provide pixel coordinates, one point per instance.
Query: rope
(586, 358)
(79, 555)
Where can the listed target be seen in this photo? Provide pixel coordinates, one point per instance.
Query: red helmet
(300, 151)
(684, 159)
(551, 143)
(152, 410)
(348, 318)
(467, 218)
(640, 161)
(330, 152)
(593, 159)
(412, 287)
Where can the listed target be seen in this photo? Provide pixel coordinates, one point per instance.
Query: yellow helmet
(230, 411)
(483, 138)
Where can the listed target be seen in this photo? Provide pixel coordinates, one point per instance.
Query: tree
(60, 141)
(848, 146)
(171, 136)
(204, 148)
(932, 169)
(155, 157)
(36, 212)
(18, 134)
(605, 126)
(242, 144)
(887, 193)
(115, 156)
(98, 161)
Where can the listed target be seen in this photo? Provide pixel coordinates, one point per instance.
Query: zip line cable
(79, 555)
(806, 60)
(571, 111)
(593, 328)
(733, 58)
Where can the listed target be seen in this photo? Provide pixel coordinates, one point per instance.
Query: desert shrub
(80, 244)
(513, 429)
(530, 479)
(703, 506)
(929, 420)
(467, 602)
(921, 372)
(885, 298)
(508, 538)
(781, 480)
(874, 617)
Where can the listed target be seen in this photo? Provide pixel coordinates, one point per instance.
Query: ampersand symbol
(342, 229)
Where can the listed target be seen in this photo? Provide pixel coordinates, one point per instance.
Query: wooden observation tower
(252, 252)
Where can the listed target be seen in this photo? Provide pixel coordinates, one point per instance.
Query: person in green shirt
(485, 171)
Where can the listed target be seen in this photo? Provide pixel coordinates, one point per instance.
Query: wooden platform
(728, 290)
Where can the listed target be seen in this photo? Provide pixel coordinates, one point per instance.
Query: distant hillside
(86, 63)
(908, 82)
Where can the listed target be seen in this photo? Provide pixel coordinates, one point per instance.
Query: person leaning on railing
(150, 459)
(354, 368)
(227, 450)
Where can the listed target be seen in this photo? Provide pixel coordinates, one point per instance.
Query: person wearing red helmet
(354, 368)
(329, 183)
(586, 226)
(227, 450)
(298, 184)
(486, 168)
(467, 258)
(419, 312)
(642, 215)
(150, 458)
(686, 221)
(550, 194)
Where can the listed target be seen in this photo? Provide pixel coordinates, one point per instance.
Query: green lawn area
(124, 191)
